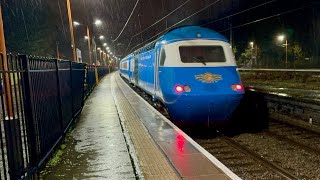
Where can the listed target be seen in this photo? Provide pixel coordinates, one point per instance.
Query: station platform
(120, 136)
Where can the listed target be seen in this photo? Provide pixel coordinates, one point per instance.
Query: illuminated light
(99, 48)
(101, 37)
(86, 37)
(75, 23)
(187, 88)
(98, 22)
(237, 87)
(199, 35)
(281, 38)
(179, 89)
(104, 44)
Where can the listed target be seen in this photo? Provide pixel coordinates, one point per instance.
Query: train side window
(162, 57)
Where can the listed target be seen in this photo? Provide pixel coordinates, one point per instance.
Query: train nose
(216, 108)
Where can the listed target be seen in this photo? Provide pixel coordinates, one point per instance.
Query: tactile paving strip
(152, 161)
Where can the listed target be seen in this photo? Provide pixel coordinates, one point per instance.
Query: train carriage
(192, 71)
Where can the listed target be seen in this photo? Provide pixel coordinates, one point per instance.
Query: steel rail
(278, 169)
(293, 142)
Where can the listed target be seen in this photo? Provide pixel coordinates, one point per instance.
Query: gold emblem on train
(208, 77)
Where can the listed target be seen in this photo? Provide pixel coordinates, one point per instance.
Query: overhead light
(281, 37)
(76, 23)
(98, 22)
(86, 37)
(104, 44)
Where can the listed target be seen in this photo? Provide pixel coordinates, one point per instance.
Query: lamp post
(281, 38)
(4, 67)
(89, 46)
(88, 37)
(71, 31)
(251, 45)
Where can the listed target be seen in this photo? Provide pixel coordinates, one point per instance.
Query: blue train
(191, 70)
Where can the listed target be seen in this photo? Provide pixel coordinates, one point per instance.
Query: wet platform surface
(120, 136)
(96, 148)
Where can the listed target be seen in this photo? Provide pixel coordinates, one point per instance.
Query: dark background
(38, 27)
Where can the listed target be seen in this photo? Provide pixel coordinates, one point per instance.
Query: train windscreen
(202, 54)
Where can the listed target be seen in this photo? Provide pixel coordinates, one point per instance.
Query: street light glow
(99, 48)
(76, 23)
(251, 44)
(101, 37)
(281, 37)
(86, 37)
(98, 22)
(104, 44)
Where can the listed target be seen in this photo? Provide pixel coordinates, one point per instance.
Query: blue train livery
(191, 70)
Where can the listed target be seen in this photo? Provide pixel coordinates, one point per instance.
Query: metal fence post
(59, 96)
(14, 149)
(11, 124)
(32, 130)
(83, 90)
(72, 104)
(96, 74)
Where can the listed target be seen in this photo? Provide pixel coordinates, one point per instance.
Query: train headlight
(187, 88)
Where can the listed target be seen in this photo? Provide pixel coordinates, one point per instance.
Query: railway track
(283, 151)
(267, 163)
(297, 136)
(243, 161)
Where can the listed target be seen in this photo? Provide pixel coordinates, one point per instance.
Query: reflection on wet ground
(96, 148)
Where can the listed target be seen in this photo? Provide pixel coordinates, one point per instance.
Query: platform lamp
(281, 38)
(88, 36)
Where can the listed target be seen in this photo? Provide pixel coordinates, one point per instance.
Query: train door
(159, 55)
(136, 69)
(156, 72)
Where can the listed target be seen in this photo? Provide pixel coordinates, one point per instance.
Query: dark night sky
(36, 26)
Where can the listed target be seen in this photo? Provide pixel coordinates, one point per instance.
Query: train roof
(183, 33)
(191, 32)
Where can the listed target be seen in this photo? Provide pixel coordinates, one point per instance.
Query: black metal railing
(102, 70)
(90, 80)
(40, 98)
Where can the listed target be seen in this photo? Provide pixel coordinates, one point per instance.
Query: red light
(237, 87)
(179, 89)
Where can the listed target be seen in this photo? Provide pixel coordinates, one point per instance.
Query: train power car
(191, 70)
